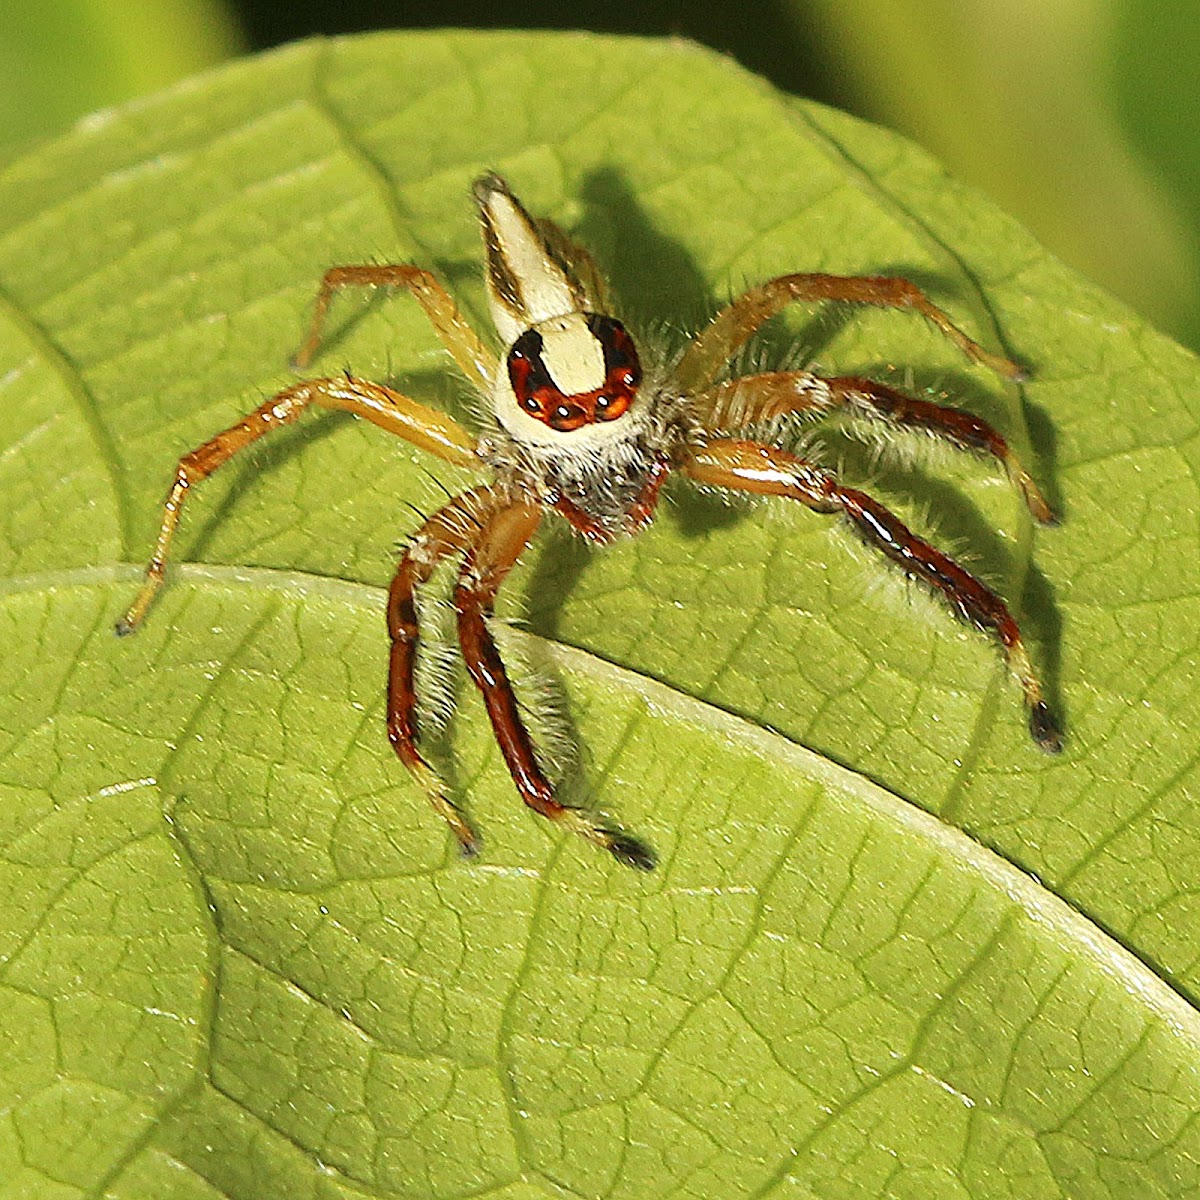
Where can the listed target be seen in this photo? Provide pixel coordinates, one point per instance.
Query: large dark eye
(621, 364)
(527, 373)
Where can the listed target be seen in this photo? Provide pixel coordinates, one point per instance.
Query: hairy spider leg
(711, 349)
(455, 528)
(474, 359)
(488, 561)
(750, 399)
(424, 427)
(766, 470)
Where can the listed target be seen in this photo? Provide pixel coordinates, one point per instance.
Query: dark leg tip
(631, 852)
(123, 628)
(469, 849)
(1043, 514)
(1044, 728)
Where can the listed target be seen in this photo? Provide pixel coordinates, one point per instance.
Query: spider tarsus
(469, 849)
(630, 851)
(1044, 727)
(624, 847)
(124, 627)
(1003, 366)
(1037, 504)
(1045, 516)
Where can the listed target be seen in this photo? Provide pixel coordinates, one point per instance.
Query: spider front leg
(750, 399)
(488, 561)
(424, 427)
(475, 361)
(752, 467)
(712, 348)
(453, 529)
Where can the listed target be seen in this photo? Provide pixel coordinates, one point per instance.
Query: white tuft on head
(527, 282)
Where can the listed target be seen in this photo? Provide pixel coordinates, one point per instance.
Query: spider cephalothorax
(582, 428)
(578, 420)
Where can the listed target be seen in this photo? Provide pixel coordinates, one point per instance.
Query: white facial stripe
(573, 356)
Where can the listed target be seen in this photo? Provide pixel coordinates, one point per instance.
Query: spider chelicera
(583, 429)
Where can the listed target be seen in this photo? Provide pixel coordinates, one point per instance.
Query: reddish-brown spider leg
(453, 529)
(640, 514)
(753, 467)
(737, 403)
(712, 348)
(474, 359)
(487, 563)
(424, 427)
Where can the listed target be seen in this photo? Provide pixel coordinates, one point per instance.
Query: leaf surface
(238, 954)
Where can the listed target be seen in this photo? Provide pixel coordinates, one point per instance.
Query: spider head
(573, 371)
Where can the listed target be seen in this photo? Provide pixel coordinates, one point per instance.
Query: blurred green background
(1079, 116)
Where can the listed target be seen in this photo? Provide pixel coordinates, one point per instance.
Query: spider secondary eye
(567, 417)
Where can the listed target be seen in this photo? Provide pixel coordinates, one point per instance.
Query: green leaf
(1154, 56)
(238, 955)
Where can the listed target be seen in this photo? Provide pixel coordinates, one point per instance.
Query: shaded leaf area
(241, 958)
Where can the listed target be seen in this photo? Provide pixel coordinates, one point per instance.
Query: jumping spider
(582, 429)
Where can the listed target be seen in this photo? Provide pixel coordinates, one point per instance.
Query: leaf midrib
(1037, 902)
